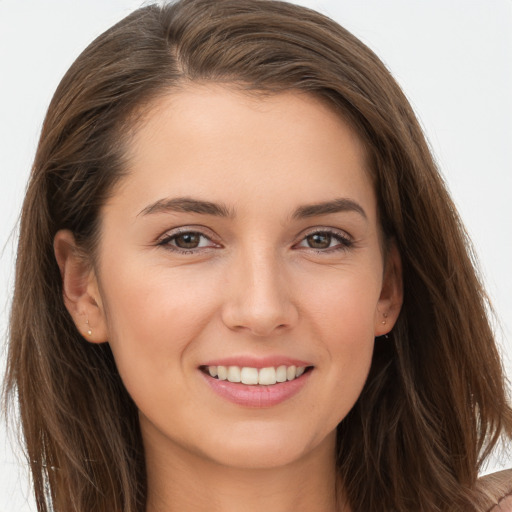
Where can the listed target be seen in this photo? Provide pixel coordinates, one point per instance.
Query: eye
(187, 241)
(326, 241)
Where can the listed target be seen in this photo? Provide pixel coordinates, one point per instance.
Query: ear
(80, 288)
(391, 296)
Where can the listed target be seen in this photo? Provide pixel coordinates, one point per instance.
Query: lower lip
(256, 395)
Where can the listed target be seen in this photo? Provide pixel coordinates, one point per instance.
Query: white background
(452, 57)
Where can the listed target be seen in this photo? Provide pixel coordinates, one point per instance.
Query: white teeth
(281, 374)
(234, 374)
(267, 376)
(222, 372)
(249, 375)
(252, 376)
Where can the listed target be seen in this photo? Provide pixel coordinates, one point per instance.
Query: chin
(266, 450)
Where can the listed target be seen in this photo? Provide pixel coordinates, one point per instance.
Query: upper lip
(257, 362)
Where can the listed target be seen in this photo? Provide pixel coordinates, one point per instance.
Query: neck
(180, 480)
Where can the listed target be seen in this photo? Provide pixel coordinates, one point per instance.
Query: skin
(256, 285)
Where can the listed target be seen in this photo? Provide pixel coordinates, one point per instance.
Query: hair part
(434, 404)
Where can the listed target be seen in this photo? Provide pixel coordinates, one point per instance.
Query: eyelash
(345, 243)
(166, 242)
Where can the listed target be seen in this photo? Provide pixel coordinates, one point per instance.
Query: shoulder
(495, 491)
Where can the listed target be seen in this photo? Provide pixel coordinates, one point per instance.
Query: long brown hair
(434, 404)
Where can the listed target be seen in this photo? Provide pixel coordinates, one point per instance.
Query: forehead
(224, 144)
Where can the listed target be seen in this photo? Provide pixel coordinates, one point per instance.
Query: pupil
(319, 240)
(187, 241)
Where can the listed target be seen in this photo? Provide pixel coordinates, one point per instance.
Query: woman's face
(245, 235)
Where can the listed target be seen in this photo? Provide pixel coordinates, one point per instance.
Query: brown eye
(319, 240)
(187, 240)
(326, 242)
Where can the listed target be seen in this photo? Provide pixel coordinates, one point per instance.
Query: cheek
(350, 342)
(342, 316)
(344, 301)
(152, 316)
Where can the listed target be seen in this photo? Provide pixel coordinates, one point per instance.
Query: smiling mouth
(256, 376)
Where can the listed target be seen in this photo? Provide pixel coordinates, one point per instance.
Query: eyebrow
(187, 204)
(325, 208)
(191, 205)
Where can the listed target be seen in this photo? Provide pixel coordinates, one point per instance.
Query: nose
(258, 297)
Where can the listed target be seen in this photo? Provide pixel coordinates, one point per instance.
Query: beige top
(496, 492)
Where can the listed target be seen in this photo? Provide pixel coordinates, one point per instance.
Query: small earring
(385, 315)
(89, 332)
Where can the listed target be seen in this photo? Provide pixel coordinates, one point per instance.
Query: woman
(248, 287)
